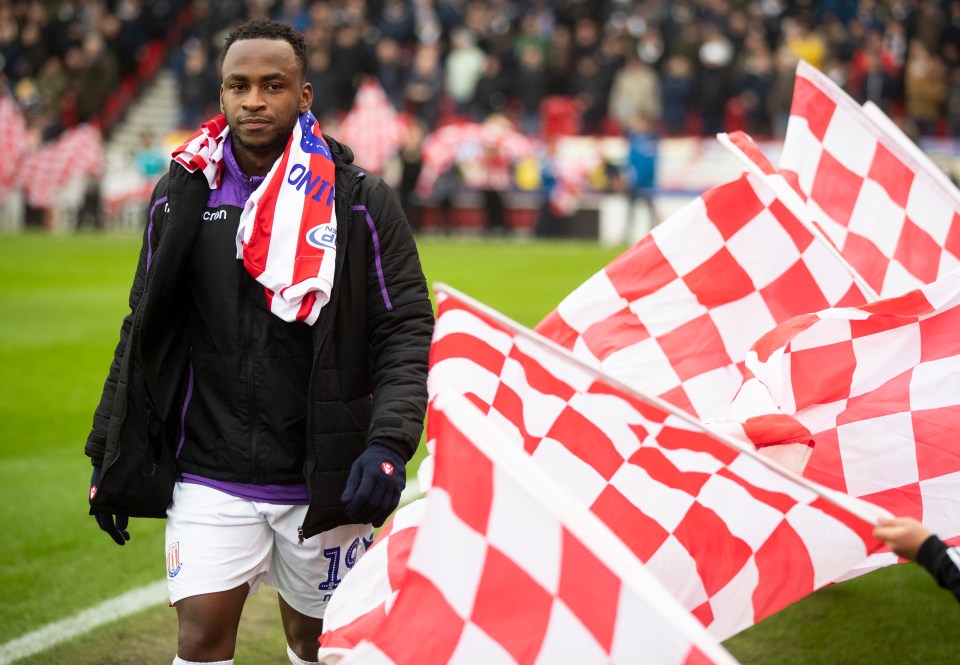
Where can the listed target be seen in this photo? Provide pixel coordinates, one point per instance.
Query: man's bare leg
(302, 632)
(209, 623)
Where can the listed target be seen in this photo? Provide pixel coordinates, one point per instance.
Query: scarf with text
(287, 235)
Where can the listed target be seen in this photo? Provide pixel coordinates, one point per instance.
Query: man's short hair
(264, 29)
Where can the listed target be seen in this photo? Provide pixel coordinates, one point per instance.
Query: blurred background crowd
(627, 68)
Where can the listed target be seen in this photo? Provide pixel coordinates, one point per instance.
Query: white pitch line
(108, 611)
(67, 629)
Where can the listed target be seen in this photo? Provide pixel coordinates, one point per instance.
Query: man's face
(262, 95)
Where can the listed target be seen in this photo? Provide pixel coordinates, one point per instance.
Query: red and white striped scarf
(287, 235)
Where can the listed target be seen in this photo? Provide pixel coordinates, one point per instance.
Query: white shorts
(216, 542)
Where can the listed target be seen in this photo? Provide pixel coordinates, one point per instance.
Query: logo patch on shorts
(173, 559)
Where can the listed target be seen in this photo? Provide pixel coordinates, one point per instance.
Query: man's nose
(253, 99)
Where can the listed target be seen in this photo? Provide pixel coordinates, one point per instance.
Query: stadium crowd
(643, 69)
(691, 66)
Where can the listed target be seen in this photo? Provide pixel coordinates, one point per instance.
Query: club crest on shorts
(173, 559)
(387, 468)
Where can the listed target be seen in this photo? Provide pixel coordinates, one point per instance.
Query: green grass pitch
(61, 301)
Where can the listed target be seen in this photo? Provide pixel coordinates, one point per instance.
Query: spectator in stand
(99, 74)
(530, 34)
(586, 37)
(926, 23)
(493, 90)
(52, 83)
(197, 86)
(754, 80)
(530, 86)
(559, 60)
(781, 90)
(953, 103)
(320, 74)
(587, 87)
(872, 57)
(411, 164)
(876, 84)
(677, 91)
(464, 65)
(713, 83)
(924, 88)
(391, 68)
(396, 22)
(804, 42)
(611, 57)
(424, 85)
(635, 92)
(350, 58)
(293, 13)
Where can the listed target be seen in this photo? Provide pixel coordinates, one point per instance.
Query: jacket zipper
(344, 208)
(248, 367)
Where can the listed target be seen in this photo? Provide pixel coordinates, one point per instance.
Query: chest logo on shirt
(323, 236)
(211, 215)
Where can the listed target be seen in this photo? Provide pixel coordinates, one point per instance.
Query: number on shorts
(333, 571)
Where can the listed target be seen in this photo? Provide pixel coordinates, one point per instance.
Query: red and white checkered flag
(373, 129)
(465, 142)
(507, 568)
(733, 536)
(77, 153)
(361, 603)
(13, 138)
(675, 315)
(877, 388)
(895, 220)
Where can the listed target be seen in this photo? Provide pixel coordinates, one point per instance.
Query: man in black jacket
(270, 446)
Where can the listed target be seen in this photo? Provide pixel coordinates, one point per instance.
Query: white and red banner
(507, 568)
(733, 536)
(878, 387)
(76, 153)
(372, 128)
(365, 596)
(13, 138)
(894, 220)
(675, 314)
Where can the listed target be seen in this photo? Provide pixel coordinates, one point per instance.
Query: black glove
(117, 529)
(374, 485)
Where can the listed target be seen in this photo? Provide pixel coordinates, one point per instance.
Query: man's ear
(306, 97)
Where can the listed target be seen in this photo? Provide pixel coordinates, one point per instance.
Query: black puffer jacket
(372, 339)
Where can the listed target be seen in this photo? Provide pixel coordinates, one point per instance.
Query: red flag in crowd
(894, 220)
(466, 142)
(877, 388)
(498, 532)
(75, 154)
(733, 536)
(13, 138)
(675, 318)
(373, 129)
